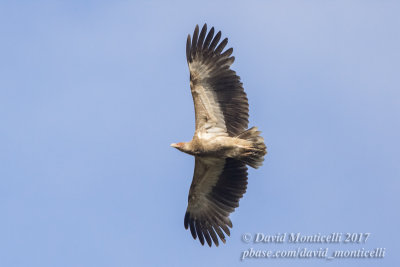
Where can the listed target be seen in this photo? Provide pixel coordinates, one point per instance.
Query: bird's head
(180, 146)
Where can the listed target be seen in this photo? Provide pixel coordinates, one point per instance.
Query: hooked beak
(174, 145)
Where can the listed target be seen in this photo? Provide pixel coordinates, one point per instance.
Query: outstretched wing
(219, 99)
(217, 187)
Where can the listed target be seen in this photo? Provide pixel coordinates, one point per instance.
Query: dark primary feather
(210, 69)
(215, 41)
(209, 205)
(201, 37)
(210, 35)
(194, 41)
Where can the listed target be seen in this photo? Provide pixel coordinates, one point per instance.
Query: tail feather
(254, 155)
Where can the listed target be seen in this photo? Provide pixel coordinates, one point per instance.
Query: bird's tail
(254, 155)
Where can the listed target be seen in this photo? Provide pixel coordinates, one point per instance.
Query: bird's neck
(188, 148)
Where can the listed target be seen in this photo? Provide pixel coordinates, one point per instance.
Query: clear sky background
(92, 93)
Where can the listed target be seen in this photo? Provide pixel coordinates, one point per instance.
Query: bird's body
(222, 144)
(214, 145)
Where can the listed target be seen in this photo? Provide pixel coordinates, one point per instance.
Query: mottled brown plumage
(221, 144)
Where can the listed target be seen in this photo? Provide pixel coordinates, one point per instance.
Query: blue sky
(92, 93)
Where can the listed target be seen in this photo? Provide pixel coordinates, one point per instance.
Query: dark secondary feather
(208, 211)
(214, 74)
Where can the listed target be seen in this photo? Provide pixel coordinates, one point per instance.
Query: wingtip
(201, 241)
(212, 30)
(230, 223)
(188, 47)
(205, 26)
(186, 220)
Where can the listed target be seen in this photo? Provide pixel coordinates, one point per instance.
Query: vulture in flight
(222, 145)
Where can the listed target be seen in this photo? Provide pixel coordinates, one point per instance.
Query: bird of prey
(222, 145)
